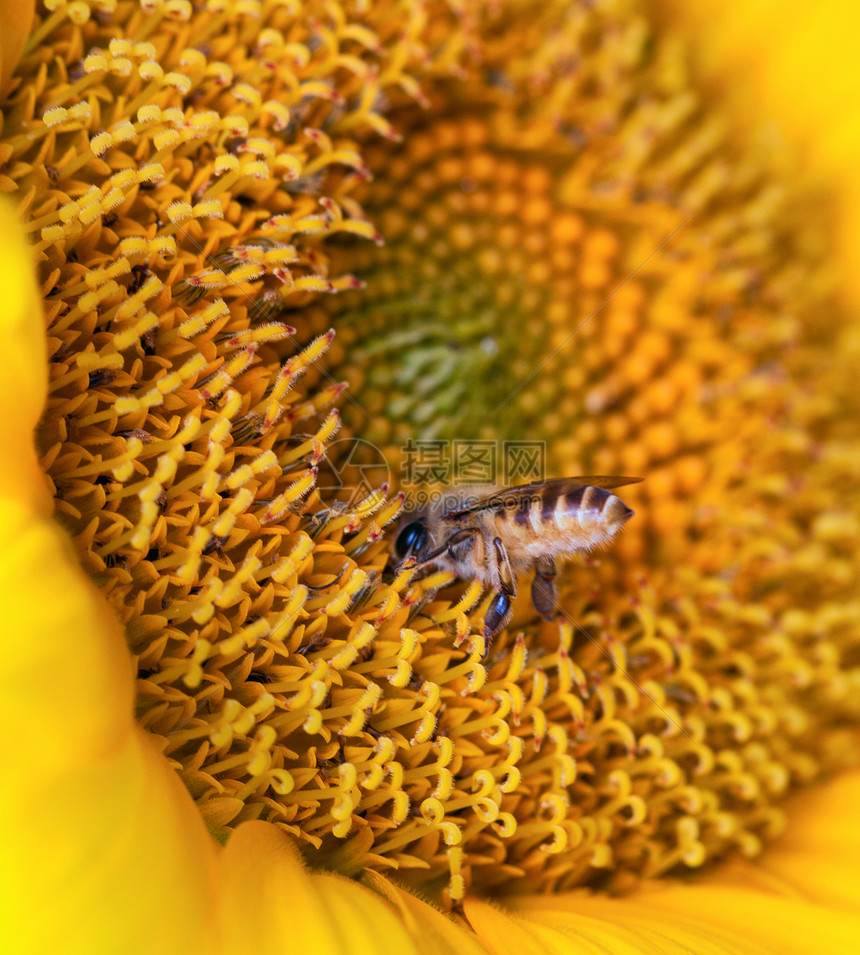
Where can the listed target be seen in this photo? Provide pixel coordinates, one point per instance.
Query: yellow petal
(433, 932)
(818, 858)
(568, 924)
(24, 380)
(100, 834)
(797, 62)
(17, 18)
(501, 933)
(271, 904)
(623, 926)
(801, 897)
(737, 919)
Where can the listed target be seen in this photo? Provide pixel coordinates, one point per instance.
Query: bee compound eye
(411, 539)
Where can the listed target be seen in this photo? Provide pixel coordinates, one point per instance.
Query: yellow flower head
(263, 227)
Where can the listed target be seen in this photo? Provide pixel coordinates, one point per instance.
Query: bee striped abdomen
(552, 494)
(556, 518)
(587, 511)
(523, 514)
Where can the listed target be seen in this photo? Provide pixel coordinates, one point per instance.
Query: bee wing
(510, 497)
(606, 481)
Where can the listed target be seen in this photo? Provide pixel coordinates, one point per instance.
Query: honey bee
(492, 534)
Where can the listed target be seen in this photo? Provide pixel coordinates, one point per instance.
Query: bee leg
(497, 616)
(499, 611)
(461, 543)
(503, 565)
(543, 591)
(453, 547)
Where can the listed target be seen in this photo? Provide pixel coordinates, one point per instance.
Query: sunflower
(267, 234)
